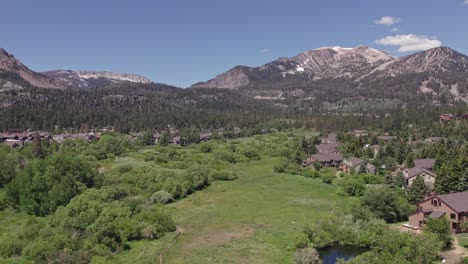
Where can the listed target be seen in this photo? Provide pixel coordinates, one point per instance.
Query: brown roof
(457, 201)
(355, 161)
(386, 137)
(327, 148)
(327, 157)
(437, 214)
(424, 163)
(413, 172)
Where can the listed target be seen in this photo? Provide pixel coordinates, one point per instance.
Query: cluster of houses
(328, 155)
(453, 206)
(15, 138)
(177, 139)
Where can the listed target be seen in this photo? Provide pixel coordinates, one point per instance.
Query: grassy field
(254, 219)
(463, 240)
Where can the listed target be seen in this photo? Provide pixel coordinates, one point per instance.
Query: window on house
(440, 204)
(453, 216)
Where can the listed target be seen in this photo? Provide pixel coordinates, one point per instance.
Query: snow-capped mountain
(321, 63)
(15, 75)
(81, 79)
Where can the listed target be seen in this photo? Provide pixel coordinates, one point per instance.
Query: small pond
(330, 254)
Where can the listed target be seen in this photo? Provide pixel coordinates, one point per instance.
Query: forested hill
(131, 107)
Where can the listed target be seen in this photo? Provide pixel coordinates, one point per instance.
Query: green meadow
(254, 219)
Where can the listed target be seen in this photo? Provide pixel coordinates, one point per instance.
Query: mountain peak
(81, 79)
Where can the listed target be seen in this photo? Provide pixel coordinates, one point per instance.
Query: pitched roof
(413, 172)
(437, 214)
(457, 201)
(327, 148)
(327, 157)
(386, 137)
(355, 161)
(424, 163)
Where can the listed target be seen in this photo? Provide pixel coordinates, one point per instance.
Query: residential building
(326, 160)
(357, 165)
(453, 206)
(423, 168)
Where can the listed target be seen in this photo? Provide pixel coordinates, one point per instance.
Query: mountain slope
(14, 74)
(335, 73)
(321, 63)
(80, 79)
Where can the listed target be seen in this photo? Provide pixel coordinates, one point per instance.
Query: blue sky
(181, 42)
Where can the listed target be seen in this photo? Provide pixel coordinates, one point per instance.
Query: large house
(357, 165)
(326, 160)
(423, 168)
(453, 206)
(331, 148)
(330, 139)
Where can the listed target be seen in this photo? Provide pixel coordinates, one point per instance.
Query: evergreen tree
(418, 190)
(165, 139)
(147, 139)
(37, 150)
(409, 162)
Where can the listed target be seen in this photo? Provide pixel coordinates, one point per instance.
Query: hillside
(16, 75)
(334, 73)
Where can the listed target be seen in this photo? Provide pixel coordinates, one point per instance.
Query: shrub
(281, 166)
(226, 156)
(124, 168)
(161, 197)
(440, 227)
(306, 256)
(206, 147)
(327, 178)
(252, 154)
(352, 186)
(309, 173)
(223, 175)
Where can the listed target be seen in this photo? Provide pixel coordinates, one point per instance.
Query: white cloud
(388, 20)
(397, 29)
(466, 2)
(265, 50)
(409, 42)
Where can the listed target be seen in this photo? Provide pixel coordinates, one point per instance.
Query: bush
(281, 166)
(161, 197)
(206, 147)
(223, 175)
(352, 186)
(327, 178)
(309, 173)
(252, 154)
(441, 227)
(306, 256)
(387, 203)
(124, 168)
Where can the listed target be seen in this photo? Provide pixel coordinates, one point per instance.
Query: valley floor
(254, 219)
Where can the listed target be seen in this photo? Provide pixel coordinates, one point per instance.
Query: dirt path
(180, 232)
(453, 256)
(457, 249)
